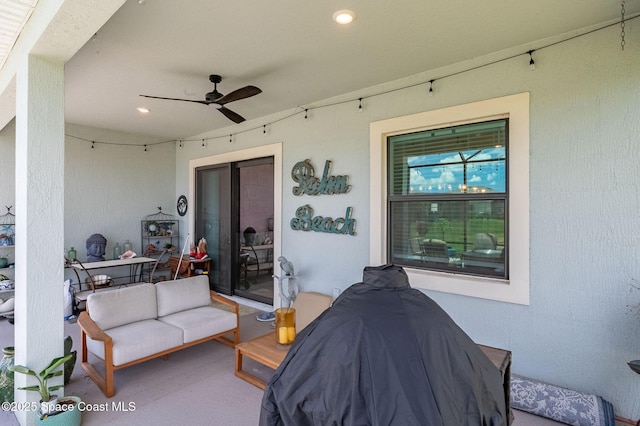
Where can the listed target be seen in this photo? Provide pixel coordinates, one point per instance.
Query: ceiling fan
(218, 100)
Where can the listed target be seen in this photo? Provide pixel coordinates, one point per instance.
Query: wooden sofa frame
(106, 384)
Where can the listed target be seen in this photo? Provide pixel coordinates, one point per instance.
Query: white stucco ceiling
(292, 50)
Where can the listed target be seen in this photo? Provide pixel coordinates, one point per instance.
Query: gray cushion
(138, 340)
(114, 308)
(201, 322)
(180, 295)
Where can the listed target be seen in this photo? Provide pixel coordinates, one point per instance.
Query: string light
(230, 140)
(532, 64)
(145, 148)
(622, 42)
(431, 90)
(180, 143)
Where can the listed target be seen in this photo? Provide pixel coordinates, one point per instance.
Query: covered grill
(384, 354)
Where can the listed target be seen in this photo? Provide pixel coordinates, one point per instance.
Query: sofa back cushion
(180, 295)
(114, 308)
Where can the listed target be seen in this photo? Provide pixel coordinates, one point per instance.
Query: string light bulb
(93, 144)
(532, 63)
(306, 113)
(145, 148)
(180, 143)
(203, 143)
(230, 139)
(264, 129)
(431, 87)
(360, 105)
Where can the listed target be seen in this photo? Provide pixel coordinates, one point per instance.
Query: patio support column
(39, 325)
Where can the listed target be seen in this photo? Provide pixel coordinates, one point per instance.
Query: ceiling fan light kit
(218, 100)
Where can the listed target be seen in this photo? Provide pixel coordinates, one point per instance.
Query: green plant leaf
(31, 388)
(54, 374)
(22, 369)
(55, 363)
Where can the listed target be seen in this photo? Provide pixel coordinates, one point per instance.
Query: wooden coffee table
(264, 350)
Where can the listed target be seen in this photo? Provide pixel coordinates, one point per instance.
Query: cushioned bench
(127, 326)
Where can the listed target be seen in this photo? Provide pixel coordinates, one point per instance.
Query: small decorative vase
(127, 246)
(117, 251)
(72, 254)
(285, 326)
(6, 376)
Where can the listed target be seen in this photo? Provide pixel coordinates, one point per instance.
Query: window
(447, 198)
(450, 198)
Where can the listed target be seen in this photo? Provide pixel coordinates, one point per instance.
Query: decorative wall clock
(182, 205)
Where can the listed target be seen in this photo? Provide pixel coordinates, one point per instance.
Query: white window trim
(516, 108)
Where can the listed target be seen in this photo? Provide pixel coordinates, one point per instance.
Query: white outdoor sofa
(130, 325)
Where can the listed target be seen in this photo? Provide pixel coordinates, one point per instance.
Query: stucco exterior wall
(581, 327)
(110, 188)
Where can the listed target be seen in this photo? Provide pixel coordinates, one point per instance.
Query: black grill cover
(384, 354)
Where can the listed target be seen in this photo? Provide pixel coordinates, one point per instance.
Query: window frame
(516, 109)
(394, 199)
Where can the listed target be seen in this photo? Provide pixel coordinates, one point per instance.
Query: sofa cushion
(180, 295)
(114, 308)
(201, 322)
(138, 340)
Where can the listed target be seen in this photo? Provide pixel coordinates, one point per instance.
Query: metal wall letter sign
(305, 221)
(303, 174)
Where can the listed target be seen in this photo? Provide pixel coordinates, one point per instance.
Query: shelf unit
(157, 232)
(7, 241)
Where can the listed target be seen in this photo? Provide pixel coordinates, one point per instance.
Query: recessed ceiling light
(344, 16)
(143, 110)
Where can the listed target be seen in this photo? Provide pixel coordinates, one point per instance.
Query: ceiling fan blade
(236, 95)
(176, 99)
(236, 118)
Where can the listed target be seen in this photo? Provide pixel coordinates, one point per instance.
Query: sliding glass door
(254, 227)
(213, 222)
(235, 213)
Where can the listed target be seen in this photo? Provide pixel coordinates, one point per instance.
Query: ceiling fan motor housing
(215, 95)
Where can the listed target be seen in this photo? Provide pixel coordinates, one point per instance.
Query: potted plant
(53, 410)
